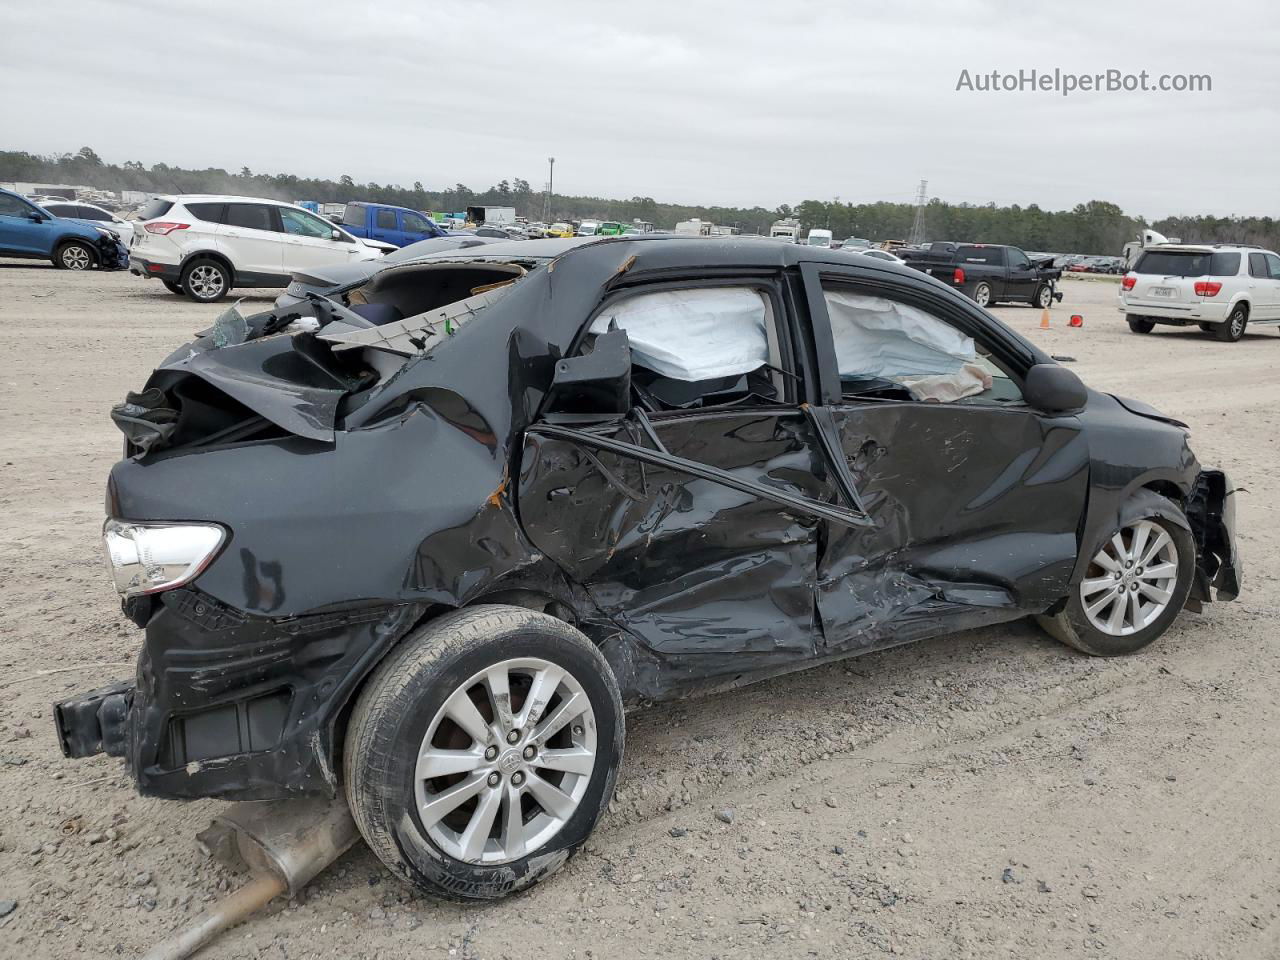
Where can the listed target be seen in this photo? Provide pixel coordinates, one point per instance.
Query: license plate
(1169, 292)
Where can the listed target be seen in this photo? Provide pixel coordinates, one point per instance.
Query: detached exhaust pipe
(284, 844)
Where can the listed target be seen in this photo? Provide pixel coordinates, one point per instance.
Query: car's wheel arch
(66, 238)
(538, 600)
(1240, 300)
(214, 255)
(1160, 493)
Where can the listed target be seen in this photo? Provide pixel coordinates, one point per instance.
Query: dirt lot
(989, 794)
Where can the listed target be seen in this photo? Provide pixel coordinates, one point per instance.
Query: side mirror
(35, 216)
(1054, 389)
(335, 235)
(596, 382)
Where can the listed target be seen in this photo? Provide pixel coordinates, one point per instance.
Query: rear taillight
(164, 227)
(958, 276)
(1128, 282)
(1207, 288)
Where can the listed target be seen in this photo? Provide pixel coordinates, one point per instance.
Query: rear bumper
(95, 722)
(231, 705)
(1177, 314)
(141, 267)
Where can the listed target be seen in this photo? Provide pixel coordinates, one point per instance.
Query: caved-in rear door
(715, 571)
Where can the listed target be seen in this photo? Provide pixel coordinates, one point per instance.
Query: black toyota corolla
(422, 541)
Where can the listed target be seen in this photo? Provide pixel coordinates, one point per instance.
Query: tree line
(1096, 227)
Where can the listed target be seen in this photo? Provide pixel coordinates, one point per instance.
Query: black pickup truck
(988, 273)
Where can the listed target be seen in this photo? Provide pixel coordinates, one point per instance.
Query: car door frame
(409, 236)
(343, 250)
(253, 271)
(1272, 261)
(1262, 290)
(645, 447)
(1067, 454)
(1022, 287)
(34, 236)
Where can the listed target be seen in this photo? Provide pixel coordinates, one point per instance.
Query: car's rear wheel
(1232, 329)
(75, 255)
(482, 752)
(1141, 325)
(173, 287)
(982, 294)
(1135, 584)
(1044, 296)
(205, 280)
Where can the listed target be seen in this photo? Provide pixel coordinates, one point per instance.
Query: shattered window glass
(231, 327)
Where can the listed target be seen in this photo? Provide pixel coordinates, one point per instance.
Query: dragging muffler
(283, 843)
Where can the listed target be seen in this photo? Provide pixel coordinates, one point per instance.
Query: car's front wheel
(75, 255)
(482, 752)
(1135, 584)
(205, 280)
(1044, 296)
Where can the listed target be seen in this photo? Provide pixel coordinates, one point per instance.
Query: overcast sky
(733, 103)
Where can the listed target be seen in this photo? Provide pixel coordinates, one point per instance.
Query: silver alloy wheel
(493, 786)
(982, 295)
(76, 257)
(206, 281)
(1130, 581)
(1045, 298)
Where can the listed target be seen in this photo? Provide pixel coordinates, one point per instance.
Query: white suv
(205, 245)
(1222, 287)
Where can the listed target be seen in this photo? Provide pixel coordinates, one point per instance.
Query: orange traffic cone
(1044, 319)
(1076, 320)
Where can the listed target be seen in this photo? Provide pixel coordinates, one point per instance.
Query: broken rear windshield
(1188, 263)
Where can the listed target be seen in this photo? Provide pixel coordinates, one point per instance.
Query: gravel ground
(988, 794)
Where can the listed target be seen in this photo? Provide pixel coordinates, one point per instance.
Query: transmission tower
(917, 226)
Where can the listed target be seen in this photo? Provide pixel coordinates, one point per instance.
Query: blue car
(387, 224)
(27, 230)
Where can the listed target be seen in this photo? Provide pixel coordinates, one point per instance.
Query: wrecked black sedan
(423, 540)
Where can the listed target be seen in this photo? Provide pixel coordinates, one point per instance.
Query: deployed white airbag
(876, 337)
(692, 335)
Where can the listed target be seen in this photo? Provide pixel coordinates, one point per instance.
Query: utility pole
(551, 183)
(917, 226)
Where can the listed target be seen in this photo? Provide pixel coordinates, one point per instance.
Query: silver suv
(1220, 287)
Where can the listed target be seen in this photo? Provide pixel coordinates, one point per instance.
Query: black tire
(1140, 325)
(206, 280)
(75, 255)
(1044, 297)
(1071, 625)
(1232, 329)
(982, 294)
(174, 287)
(396, 709)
